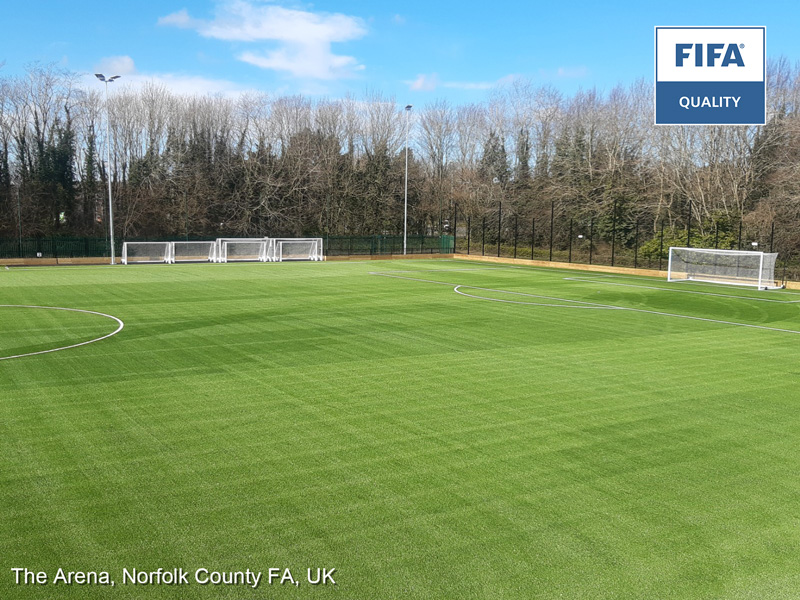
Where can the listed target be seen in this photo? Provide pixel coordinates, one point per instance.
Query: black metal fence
(600, 240)
(607, 240)
(64, 247)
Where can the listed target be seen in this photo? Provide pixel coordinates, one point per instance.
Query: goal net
(733, 267)
(243, 250)
(194, 251)
(146, 252)
(295, 249)
(221, 242)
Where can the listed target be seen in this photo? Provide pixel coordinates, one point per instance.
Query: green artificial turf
(422, 443)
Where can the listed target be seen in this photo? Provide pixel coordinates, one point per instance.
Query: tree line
(262, 164)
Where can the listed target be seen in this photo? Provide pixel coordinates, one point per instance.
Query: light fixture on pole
(105, 80)
(405, 203)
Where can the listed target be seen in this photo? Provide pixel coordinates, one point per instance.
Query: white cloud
(564, 73)
(175, 82)
(428, 83)
(424, 83)
(469, 85)
(180, 19)
(116, 65)
(572, 72)
(303, 38)
(399, 20)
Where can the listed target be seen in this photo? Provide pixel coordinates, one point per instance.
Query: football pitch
(417, 429)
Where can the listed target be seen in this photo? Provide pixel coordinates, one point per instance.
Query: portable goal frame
(728, 267)
(243, 250)
(194, 251)
(281, 249)
(147, 252)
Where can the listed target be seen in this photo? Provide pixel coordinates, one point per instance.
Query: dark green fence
(386, 244)
(56, 247)
(63, 247)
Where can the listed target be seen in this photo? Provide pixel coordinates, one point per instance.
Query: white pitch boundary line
(91, 312)
(611, 306)
(663, 289)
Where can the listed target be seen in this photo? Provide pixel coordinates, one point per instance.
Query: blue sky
(416, 51)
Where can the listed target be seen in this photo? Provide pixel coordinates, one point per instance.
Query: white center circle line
(79, 310)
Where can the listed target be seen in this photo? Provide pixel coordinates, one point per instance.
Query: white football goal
(221, 241)
(224, 250)
(732, 267)
(242, 250)
(146, 252)
(194, 252)
(281, 249)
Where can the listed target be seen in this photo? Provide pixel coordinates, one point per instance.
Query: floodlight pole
(405, 202)
(105, 80)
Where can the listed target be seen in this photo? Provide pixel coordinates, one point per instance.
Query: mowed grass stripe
(423, 445)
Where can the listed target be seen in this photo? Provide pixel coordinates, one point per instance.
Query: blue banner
(710, 103)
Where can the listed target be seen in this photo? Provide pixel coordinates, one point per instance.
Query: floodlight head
(110, 79)
(408, 107)
(100, 76)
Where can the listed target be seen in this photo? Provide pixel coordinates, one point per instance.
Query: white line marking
(91, 312)
(590, 305)
(410, 278)
(676, 290)
(639, 310)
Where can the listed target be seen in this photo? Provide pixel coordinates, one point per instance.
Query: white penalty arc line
(90, 312)
(573, 303)
(610, 306)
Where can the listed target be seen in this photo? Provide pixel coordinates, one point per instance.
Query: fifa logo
(732, 55)
(710, 76)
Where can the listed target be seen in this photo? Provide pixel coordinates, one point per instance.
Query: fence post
(515, 236)
(552, 215)
(613, 231)
(483, 237)
(499, 226)
(739, 247)
(469, 232)
(570, 240)
(591, 238)
(661, 246)
(533, 235)
(455, 227)
(772, 236)
(689, 226)
(636, 247)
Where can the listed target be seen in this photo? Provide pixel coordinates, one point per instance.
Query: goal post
(194, 251)
(147, 252)
(283, 249)
(731, 267)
